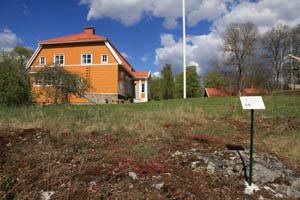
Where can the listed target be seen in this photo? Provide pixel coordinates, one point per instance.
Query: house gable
(73, 52)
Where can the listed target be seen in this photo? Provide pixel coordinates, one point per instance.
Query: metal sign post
(252, 103)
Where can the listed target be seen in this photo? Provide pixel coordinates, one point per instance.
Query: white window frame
(41, 61)
(143, 84)
(59, 59)
(106, 58)
(86, 58)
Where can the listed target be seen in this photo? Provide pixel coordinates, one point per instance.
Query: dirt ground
(98, 165)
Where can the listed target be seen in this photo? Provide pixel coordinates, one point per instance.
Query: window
(86, 58)
(143, 88)
(42, 60)
(37, 82)
(104, 58)
(59, 59)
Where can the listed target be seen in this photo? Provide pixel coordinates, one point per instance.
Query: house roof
(124, 61)
(143, 74)
(216, 92)
(87, 35)
(253, 91)
(221, 92)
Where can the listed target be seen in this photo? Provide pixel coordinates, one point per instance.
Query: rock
(158, 185)
(194, 164)
(289, 191)
(296, 183)
(46, 195)
(211, 168)
(132, 175)
(177, 153)
(265, 175)
(9, 145)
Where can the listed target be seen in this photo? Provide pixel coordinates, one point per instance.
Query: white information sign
(252, 102)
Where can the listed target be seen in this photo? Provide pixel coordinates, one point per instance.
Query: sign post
(252, 103)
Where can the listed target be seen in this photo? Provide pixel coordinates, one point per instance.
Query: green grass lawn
(76, 118)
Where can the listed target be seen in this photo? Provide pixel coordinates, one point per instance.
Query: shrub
(14, 86)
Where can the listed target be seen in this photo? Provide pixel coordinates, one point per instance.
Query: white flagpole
(184, 50)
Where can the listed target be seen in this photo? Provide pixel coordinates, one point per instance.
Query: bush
(14, 86)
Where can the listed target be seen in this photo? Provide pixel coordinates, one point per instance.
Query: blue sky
(147, 32)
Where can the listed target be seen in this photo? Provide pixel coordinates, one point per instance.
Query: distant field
(43, 141)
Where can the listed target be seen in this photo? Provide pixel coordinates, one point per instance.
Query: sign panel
(252, 102)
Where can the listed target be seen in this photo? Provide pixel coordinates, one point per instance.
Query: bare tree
(239, 42)
(276, 46)
(295, 39)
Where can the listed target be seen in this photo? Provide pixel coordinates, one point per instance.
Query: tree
(167, 82)
(295, 37)
(214, 79)
(193, 88)
(59, 84)
(155, 89)
(239, 42)
(260, 76)
(17, 58)
(275, 43)
(15, 86)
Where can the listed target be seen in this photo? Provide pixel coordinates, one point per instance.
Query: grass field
(39, 145)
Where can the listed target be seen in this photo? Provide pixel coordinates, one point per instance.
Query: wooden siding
(73, 53)
(103, 77)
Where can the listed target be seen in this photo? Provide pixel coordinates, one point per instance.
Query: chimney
(89, 30)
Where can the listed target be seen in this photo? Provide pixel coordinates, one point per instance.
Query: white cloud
(200, 51)
(264, 13)
(203, 49)
(126, 56)
(130, 12)
(8, 40)
(156, 75)
(144, 58)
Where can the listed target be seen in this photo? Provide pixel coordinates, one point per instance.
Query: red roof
(141, 73)
(253, 91)
(220, 92)
(88, 34)
(216, 92)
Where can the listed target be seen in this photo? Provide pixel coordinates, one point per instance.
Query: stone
(177, 153)
(158, 185)
(194, 164)
(265, 175)
(46, 195)
(211, 168)
(132, 175)
(289, 191)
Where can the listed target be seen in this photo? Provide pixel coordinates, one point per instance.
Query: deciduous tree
(239, 45)
(275, 43)
(59, 84)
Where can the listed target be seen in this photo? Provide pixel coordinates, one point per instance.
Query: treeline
(262, 60)
(248, 58)
(168, 87)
